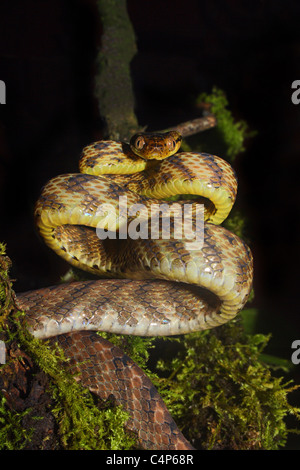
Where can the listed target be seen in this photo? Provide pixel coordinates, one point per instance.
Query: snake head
(156, 146)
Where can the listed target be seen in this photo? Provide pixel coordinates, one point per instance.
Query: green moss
(218, 385)
(236, 223)
(222, 394)
(13, 436)
(81, 423)
(136, 347)
(229, 132)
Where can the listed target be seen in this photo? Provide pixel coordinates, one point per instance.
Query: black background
(249, 49)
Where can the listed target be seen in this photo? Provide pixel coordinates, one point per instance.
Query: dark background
(251, 50)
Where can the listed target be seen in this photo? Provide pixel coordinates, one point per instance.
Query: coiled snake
(208, 287)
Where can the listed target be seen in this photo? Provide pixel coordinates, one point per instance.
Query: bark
(113, 85)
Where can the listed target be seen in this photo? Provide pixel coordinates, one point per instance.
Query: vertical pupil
(139, 143)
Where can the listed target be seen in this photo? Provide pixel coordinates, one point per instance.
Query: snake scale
(150, 286)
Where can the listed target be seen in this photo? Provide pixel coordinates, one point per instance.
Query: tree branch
(113, 86)
(194, 126)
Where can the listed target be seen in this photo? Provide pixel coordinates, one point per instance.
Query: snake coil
(150, 286)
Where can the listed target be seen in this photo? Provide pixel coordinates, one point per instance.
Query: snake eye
(139, 143)
(174, 141)
(173, 144)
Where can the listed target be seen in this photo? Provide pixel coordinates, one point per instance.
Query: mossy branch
(113, 81)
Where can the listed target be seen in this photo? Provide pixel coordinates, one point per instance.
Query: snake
(141, 285)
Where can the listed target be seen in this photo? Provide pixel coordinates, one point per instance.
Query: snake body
(208, 285)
